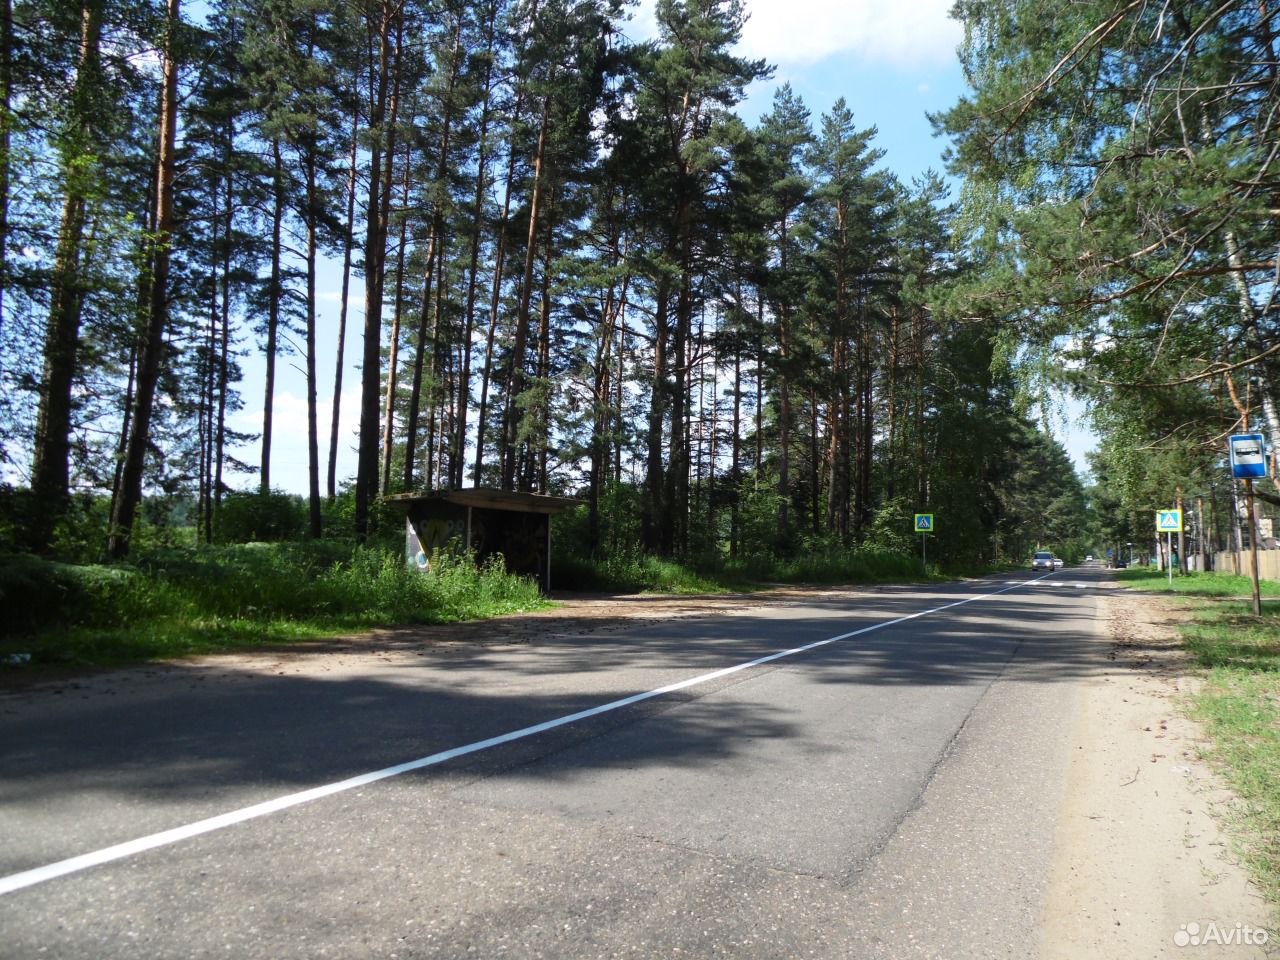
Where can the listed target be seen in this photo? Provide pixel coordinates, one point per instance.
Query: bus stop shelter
(484, 520)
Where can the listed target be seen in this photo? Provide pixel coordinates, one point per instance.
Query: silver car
(1043, 560)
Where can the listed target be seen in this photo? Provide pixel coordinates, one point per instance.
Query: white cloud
(904, 35)
(804, 31)
(643, 26)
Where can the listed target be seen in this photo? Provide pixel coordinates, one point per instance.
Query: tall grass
(637, 573)
(174, 601)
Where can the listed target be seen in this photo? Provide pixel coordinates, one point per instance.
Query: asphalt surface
(892, 794)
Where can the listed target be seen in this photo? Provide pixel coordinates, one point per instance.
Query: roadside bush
(272, 516)
(34, 592)
(632, 572)
(173, 601)
(832, 563)
(44, 595)
(891, 528)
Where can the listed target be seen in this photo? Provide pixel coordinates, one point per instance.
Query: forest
(575, 269)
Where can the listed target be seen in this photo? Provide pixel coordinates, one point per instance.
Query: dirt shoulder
(1142, 868)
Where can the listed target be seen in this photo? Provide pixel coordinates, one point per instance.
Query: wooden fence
(1268, 564)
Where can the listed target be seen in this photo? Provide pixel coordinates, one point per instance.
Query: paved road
(890, 794)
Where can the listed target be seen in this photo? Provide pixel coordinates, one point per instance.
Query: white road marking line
(61, 868)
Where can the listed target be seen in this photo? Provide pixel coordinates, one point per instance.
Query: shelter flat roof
(489, 498)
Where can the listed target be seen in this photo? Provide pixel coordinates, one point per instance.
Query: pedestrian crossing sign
(1168, 521)
(924, 523)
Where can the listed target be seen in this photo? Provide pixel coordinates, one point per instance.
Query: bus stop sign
(1248, 459)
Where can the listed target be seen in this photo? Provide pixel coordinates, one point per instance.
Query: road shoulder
(1140, 858)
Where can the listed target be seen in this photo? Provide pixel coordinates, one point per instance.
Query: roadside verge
(1142, 866)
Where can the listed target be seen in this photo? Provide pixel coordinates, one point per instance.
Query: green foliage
(759, 504)
(892, 528)
(826, 562)
(817, 561)
(1114, 228)
(636, 572)
(175, 601)
(263, 516)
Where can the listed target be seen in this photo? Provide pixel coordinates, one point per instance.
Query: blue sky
(892, 62)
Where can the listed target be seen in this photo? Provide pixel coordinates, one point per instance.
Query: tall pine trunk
(499, 261)
(426, 343)
(224, 327)
(6, 104)
(473, 268)
(275, 294)
(313, 426)
(544, 355)
(655, 474)
(375, 252)
(735, 466)
(129, 495)
(434, 456)
(419, 364)
(50, 467)
(347, 244)
(209, 380)
(516, 384)
(393, 360)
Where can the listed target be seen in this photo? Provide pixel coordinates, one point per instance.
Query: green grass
(641, 574)
(1239, 705)
(175, 602)
(1203, 584)
(1228, 635)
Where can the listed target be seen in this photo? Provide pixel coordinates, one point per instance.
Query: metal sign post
(1253, 548)
(1248, 463)
(1169, 522)
(924, 527)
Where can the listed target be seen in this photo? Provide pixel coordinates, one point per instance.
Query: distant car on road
(1058, 563)
(1088, 558)
(1043, 560)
